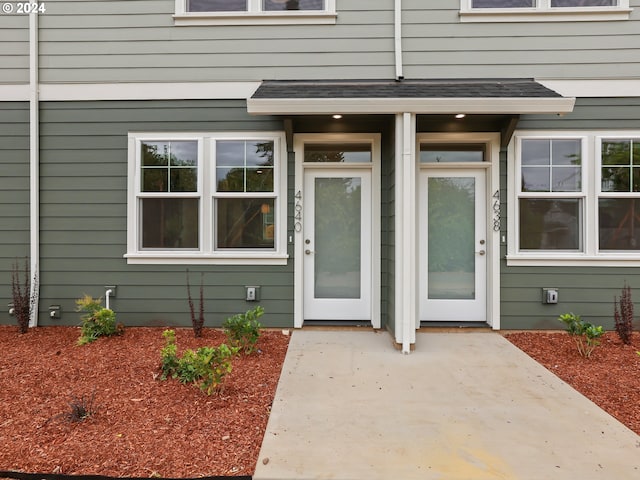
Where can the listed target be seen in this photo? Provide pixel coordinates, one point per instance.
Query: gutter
(397, 31)
(34, 167)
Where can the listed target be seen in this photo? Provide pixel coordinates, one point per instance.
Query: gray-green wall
(135, 40)
(14, 195)
(587, 291)
(84, 211)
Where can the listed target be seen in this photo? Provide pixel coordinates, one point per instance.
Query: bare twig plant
(24, 298)
(198, 322)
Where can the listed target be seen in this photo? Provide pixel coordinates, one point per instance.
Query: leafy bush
(243, 329)
(206, 366)
(97, 320)
(623, 314)
(585, 334)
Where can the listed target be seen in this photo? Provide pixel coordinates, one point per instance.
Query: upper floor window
(207, 198)
(542, 4)
(552, 10)
(253, 12)
(248, 5)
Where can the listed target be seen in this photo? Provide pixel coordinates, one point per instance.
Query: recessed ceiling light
(337, 116)
(461, 115)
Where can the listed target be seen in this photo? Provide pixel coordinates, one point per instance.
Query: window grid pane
(217, 5)
(551, 165)
(278, 5)
(551, 224)
(244, 166)
(245, 223)
(169, 166)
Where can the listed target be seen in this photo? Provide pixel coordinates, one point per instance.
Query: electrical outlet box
(55, 312)
(252, 294)
(550, 295)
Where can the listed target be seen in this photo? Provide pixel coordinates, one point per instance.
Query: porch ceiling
(442, 96)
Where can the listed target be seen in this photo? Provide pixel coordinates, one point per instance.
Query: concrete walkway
(463, 406)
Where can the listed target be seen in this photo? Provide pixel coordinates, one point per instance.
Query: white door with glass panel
(337, 244)
(452, 245)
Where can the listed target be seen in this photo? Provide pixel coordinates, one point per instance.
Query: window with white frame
(619, 195)
(207, 197)
(553, 10)
(575, 197)
(254, 11)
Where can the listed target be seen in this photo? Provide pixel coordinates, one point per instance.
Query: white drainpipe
(34, 166)
(398, 39)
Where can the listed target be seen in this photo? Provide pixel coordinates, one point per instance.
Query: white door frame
(492, 164)
(299, 141)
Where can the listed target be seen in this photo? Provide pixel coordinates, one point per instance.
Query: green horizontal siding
(14, 195)
(587, 291)
(84, 217)
(14, 48)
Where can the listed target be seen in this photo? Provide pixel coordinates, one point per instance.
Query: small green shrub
(585, 334)
(97, 321)
(206, 366)
(243, 329)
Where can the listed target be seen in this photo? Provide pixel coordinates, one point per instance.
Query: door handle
(481, 252)
(309, 252)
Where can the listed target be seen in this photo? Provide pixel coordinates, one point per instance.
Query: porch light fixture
(461, 115)
(337, 116)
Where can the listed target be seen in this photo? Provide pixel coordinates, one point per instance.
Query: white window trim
(255, 16)
(207, 254)
(590, 256)
(544, 12)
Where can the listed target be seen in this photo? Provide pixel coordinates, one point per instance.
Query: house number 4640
(297, 226)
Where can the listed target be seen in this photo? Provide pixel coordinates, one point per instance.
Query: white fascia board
(15, 92)
(594, 88)
(313, 106)
(146, 91)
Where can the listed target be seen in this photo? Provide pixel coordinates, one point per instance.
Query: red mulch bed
(610, 377)
(142, 426)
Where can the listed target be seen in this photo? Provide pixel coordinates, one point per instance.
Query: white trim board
(132, 91)
(570, 88)
(418, 105)
(586, 88)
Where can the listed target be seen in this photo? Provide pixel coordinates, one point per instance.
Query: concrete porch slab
(467, 406)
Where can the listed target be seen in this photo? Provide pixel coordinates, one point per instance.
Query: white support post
(406, 311)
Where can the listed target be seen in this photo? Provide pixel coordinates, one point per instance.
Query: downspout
(398, 39)
(34, 167)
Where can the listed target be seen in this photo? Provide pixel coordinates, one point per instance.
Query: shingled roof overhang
(443, 96)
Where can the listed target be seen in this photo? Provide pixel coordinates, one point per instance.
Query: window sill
(251, 18)
(199, 259)
(574, 260)
(572, 15)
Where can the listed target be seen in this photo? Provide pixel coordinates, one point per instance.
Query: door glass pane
(447, 153)
(451, 224)
(337, 237)
(337, 152)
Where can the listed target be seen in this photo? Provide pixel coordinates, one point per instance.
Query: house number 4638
(496, 211)
(297, 226)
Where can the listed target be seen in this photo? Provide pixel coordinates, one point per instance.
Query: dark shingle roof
(440, 88)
